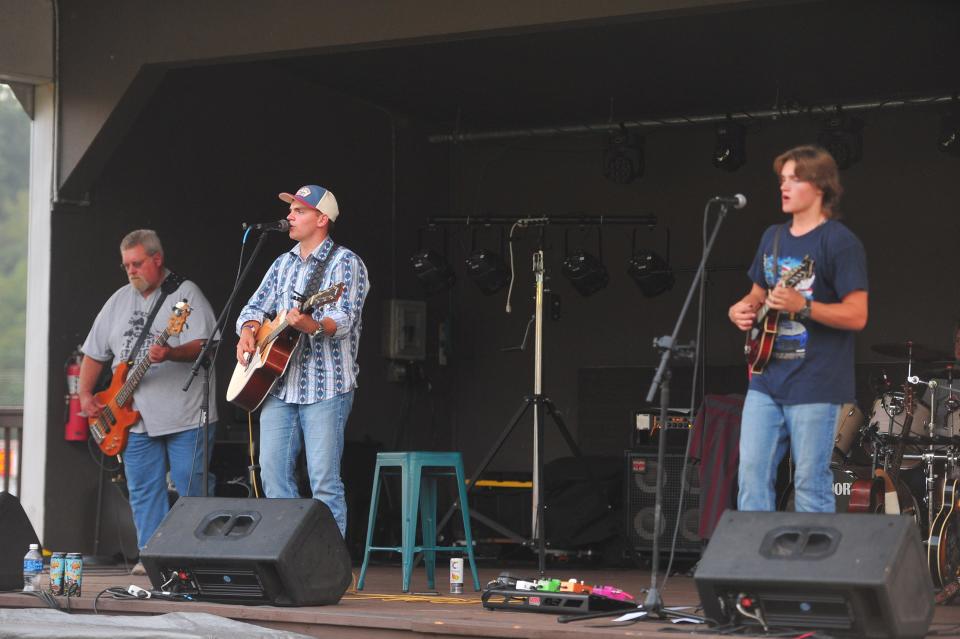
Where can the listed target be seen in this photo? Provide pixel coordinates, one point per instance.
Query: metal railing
(11, 447)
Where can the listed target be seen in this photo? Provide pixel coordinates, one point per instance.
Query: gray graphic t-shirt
(164, 407)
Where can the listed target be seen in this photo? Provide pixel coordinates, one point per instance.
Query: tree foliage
(14, 184)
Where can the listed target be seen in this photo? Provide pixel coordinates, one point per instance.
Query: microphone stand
(668, 347)
(203, 360)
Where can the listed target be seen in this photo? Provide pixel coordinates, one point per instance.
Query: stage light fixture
(730, 148)
(623, 160)
(583, 270)
(433, 271)
(842, 137)
(487, 270)
(651, 272)
(949, 140)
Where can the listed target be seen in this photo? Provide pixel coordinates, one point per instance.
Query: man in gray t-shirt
(167, 436)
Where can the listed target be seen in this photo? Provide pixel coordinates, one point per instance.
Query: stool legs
(428, 524)
(410, 503)
(465, 513)
(374, 502)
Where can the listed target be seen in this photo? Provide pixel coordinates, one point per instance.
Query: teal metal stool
(418, 476)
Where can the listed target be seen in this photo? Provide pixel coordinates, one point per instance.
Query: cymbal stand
(929, 471)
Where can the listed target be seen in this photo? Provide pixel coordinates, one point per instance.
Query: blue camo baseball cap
(315, 197)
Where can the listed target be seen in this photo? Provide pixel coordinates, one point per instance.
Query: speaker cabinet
(286, 552)
(863, 574)
(641, 483)
(16, 535)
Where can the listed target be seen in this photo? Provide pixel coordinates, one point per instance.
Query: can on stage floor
(456, 575)
(57, 564)
(73, 574)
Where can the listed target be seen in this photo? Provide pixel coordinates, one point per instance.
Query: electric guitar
(760, 337)
(943, 547)
(276, 341)
(111, 428)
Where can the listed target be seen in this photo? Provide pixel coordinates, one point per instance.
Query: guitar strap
(169, 285)
(776, 253)
(316, 278)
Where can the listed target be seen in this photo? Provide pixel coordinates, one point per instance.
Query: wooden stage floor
(380, 610)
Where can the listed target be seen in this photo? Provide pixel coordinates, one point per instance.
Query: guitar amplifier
(641, 492)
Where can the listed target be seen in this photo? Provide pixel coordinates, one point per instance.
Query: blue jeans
(766, 429)
(286, 429)
(146, 461)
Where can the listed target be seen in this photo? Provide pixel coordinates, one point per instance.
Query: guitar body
(943, 547)
(111, 429)
(866, 496)
(275, 343)
(251, 384)
(760, 338)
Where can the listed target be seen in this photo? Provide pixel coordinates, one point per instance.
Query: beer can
(57, 564)
(456, 575)
(73, 574)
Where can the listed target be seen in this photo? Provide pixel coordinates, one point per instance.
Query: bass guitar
(111, 428)
(760, 337)
(276, 341)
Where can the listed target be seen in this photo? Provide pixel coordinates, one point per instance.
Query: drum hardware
(910, 350)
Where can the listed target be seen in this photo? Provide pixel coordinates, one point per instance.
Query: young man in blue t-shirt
(794, 401)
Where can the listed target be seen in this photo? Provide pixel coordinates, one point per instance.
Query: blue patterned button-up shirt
(320, 367)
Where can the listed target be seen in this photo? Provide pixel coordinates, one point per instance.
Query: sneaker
(138, 569)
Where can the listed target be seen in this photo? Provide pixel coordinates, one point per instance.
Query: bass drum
(843, 484)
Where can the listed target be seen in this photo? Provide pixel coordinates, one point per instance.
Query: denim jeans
(146, 461)
(766, 430)
(286, 429)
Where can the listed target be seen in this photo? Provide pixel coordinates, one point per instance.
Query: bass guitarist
(793, 402)
(166, 437)
(310, 402)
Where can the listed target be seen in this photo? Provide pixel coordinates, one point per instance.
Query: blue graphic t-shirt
(811, 363)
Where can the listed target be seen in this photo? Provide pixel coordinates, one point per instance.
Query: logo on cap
(304, 191)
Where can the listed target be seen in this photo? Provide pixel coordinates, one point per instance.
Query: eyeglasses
(136, 265)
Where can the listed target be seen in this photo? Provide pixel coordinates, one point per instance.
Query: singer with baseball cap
(309, 404)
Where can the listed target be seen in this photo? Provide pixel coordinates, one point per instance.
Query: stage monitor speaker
(862, 574)
(641, 486)
(16, 535)
(286, 552)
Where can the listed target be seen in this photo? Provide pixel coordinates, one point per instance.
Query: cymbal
(951, 371)
(920, 353)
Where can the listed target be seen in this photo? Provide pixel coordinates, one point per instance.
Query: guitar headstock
(181, 311)
(322, 298)
(798, 273)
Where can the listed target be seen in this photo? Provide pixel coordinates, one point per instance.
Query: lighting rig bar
(762, 114)
(576, 219)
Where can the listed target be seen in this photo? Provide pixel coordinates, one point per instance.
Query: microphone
(279, 225)
(737, 201)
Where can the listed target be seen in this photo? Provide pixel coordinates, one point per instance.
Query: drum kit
(880, 451)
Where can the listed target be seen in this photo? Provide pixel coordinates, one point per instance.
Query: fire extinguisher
(75, 426)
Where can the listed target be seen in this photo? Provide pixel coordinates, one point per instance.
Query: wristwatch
(318, 332)
(804, 313)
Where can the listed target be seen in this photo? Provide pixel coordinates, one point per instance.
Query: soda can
(456, 575)
(57, 564)
(73, 575)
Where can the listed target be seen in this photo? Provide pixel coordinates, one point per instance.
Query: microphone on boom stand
(280, 225)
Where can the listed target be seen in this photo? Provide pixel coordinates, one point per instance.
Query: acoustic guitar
(276, 341)
(111, 428)
(760, 337)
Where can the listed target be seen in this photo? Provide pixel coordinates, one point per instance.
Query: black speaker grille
(641, 468)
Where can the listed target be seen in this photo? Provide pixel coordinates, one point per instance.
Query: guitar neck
(135, 376)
